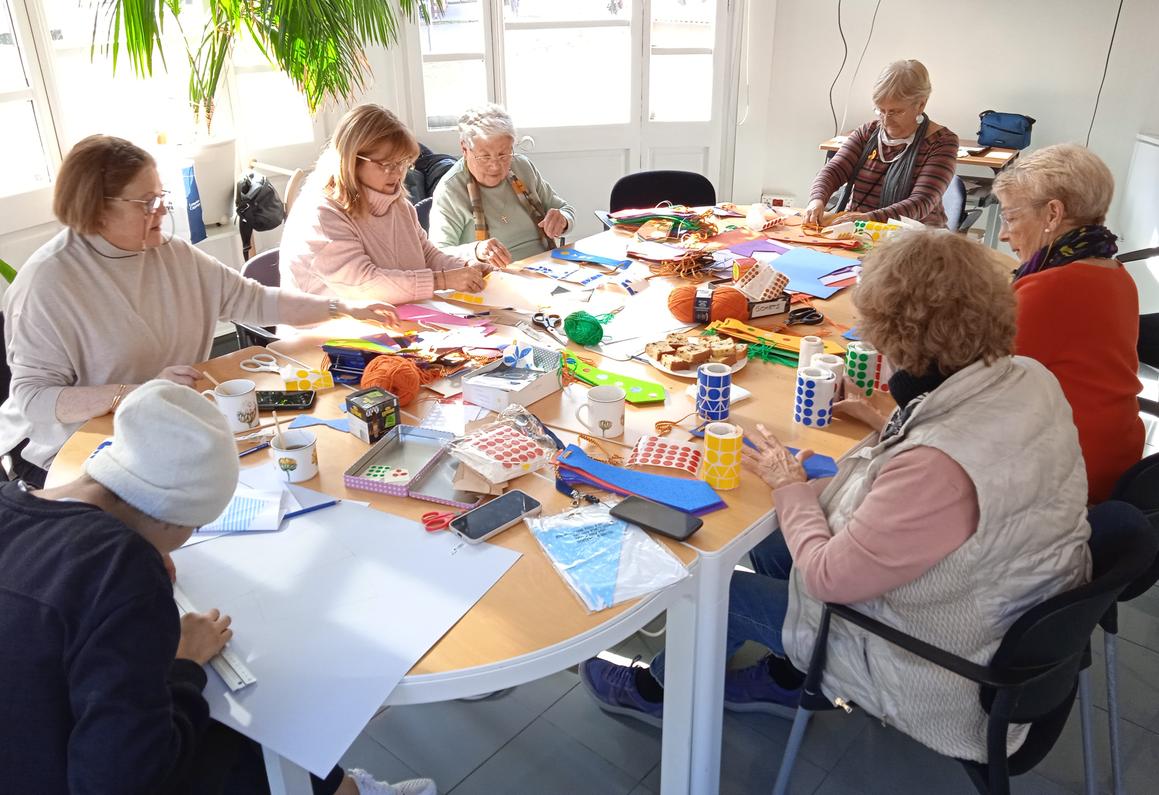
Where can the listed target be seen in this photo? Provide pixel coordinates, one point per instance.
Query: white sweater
(82, 312)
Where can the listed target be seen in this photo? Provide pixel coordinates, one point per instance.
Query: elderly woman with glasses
(897, 166)
(963, 509)
(113, 301)
(352, 232)
(494, 204)
(1078, 309)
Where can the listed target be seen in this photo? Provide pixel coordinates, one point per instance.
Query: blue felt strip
(305, 421)
(690, 496)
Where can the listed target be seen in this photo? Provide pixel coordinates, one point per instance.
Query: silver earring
(921, 118)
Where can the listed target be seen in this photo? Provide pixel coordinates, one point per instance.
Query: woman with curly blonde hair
(352, 232)
(961, 511)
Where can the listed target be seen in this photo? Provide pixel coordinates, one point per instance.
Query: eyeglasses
(388, 166)
(1004, 215)
(151, 206)
(891, 114)
(486, 160)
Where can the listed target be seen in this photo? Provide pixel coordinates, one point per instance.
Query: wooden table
(529, 624)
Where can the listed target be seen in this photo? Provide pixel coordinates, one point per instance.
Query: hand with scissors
(492, 254)
(434, 521)
(260, 363)
(805, 316)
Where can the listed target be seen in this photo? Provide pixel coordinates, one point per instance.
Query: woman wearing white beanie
(102, 685)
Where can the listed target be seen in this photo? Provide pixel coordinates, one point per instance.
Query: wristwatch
(333, 307)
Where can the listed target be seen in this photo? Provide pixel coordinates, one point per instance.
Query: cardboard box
(497, 386)
(774, 306)
(372, 412)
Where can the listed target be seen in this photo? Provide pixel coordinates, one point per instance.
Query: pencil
(253, 449)
(311, 509)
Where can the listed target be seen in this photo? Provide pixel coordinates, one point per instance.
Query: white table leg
(708, 691)
(284, 776)
(679, 683)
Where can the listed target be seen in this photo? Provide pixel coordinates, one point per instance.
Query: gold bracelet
(121, 389)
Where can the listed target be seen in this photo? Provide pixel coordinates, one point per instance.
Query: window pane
(271, 111)
(456, 28)
(683, 23)
(534, 10)
(450, 88)
(554, 77)
(12, 74)
(22, 159)
(680, 88)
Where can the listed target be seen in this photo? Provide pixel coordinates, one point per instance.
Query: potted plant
(320, 46)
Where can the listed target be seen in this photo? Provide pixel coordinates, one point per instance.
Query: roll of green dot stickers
(861, 365)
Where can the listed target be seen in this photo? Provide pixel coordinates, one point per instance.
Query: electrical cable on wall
(836, 77)
(856, 69)
(1106, 63)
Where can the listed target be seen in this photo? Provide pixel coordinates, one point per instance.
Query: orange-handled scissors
(434, 521)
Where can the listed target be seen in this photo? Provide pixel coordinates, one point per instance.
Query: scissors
(260, 362)
(434, 521)
(550, 324)
(806, 316)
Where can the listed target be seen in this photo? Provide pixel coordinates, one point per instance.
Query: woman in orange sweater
(1078, 309)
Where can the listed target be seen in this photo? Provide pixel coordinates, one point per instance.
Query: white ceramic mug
(605, 417)
(295, 455)
(238, 401)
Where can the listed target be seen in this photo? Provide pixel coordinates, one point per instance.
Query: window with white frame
(26, 159)
(566, 64)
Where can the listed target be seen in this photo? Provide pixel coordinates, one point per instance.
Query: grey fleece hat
(172, 456)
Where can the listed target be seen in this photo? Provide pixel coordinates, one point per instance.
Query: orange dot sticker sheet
(660, 452)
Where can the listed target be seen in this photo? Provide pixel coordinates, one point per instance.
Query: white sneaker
(369, 785)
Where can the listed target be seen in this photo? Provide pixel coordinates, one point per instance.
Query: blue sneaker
(614, 689)
(753, 689)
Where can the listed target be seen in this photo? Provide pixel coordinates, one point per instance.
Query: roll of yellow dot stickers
(722, 453)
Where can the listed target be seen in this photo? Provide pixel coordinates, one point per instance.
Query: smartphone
(271, 400)
(479, 524)
(659, 518)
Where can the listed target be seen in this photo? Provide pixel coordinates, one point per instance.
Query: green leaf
(7, 271)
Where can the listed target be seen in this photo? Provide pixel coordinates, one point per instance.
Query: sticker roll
(722, 455)
(884, 372)
(810, 347)
(813, 405)
(830, 362)
(861, 365)
(713, 388)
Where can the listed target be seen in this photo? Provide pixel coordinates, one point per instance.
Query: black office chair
(1138, 486)
(423, 208)
(649, 188)
(1033, 675)
(261, 268)
(958, 218)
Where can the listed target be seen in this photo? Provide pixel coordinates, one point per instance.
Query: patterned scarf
(909, 391)
(1085, 242)
(529, 203)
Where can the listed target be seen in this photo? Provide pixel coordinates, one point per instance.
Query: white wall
(1042, 58)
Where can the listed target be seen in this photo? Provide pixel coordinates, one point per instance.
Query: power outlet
(778, 200)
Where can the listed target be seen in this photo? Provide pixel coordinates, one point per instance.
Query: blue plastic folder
(805, 267)
(690, 496)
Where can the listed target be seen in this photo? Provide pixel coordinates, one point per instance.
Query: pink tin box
(411, 462)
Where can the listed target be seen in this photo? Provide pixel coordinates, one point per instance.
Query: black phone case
(656, 517)
(266, 406)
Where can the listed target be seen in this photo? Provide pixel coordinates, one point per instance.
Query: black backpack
(259, 207)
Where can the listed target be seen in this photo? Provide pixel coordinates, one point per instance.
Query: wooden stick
(278, 431)
(266, 424)
(210, 378)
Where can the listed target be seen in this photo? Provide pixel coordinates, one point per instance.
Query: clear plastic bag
(513, 445)
(605, 560)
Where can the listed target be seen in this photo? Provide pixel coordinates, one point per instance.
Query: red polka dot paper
(657, 451)
(507, 448)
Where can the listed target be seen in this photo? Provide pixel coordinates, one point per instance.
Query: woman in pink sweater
(353, 234)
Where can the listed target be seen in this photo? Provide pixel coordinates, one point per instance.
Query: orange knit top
(1082, 321)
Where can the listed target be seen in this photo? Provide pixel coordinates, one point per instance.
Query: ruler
(228, 665)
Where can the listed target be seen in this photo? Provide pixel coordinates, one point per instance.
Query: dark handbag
(1008, 130)
(259, 207)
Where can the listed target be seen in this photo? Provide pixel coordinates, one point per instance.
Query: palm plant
(318, 44)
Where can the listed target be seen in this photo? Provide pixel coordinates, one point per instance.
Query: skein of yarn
(401, 377)
(584, 328)
(727, 302)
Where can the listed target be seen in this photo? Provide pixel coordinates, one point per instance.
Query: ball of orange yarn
(727, 302)
(401, 377)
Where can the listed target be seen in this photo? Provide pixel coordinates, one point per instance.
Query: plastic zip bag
(605, 560)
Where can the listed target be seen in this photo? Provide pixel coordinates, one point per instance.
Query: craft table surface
(997, 157)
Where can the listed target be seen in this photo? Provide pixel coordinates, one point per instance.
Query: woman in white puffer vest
(963, 509)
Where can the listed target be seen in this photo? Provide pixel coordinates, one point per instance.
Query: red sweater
(937, 160)
(1082, 321)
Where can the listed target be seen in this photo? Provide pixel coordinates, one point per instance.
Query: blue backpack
(1008, 130)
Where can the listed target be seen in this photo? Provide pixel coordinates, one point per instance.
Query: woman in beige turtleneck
(353, 234)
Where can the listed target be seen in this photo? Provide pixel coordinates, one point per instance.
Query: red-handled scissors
(434, 521)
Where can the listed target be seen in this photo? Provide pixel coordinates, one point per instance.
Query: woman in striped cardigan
(898, 165)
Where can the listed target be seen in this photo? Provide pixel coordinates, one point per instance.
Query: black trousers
(229, 763)
(31, 474)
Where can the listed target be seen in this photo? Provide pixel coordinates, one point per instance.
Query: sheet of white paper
(329, 615)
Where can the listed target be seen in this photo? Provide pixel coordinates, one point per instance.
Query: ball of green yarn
(584, 328)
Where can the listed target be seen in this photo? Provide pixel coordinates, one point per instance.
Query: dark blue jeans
(757, 602)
